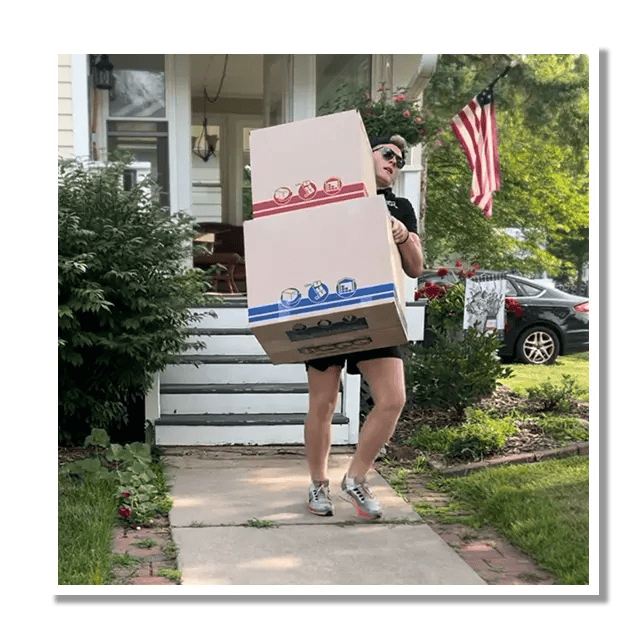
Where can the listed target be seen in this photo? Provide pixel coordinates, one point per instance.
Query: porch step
(268, 419)
(231, 393)
(229, 389)
(223, 359)
(233, 429)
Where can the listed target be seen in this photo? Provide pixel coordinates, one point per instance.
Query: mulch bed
(530, 438)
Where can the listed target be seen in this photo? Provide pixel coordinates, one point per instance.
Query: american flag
(475, 128)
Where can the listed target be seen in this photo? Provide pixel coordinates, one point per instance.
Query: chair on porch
(227, 275)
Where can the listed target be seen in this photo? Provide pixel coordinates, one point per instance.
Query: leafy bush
(124, 290)
(479, 435)
(563, 428)
(140, 485)
(455, 372)
(389, 113)
(554, 397)
(446, 306)
(433, 439)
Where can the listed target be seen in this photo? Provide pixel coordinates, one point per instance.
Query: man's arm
(409, 246)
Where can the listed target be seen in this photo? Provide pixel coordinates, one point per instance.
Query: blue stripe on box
(333, 301)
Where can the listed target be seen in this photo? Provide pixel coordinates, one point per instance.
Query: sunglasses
(387, 154)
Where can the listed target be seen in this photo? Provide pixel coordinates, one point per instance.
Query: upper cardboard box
(309, 163)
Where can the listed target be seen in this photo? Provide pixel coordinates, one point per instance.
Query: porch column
(410, 188)
(79, 80)
(304, 87)
(178, 113)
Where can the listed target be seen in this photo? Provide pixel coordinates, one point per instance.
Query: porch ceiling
(244, 75)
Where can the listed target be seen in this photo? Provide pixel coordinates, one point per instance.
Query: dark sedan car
(552, 322)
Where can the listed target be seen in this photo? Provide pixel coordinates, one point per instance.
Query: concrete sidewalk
(216, 493)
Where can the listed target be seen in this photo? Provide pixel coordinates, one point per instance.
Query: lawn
(87, 513)
(527, 375)
(543, 508)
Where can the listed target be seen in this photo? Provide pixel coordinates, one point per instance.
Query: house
(187, 120)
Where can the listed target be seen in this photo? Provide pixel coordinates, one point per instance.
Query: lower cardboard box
(325, 281)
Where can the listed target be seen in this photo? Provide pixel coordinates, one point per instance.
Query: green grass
(87, 513)
(543, 508)
(528, 375)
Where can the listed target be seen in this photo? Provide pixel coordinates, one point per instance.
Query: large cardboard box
(325, 282)
(304, 164)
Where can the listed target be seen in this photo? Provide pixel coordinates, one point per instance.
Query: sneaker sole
(361, 512)
(328, 513)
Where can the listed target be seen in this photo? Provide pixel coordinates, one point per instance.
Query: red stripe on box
(267, 208)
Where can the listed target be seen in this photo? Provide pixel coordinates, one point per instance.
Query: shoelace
(360, 490)
(322, 488)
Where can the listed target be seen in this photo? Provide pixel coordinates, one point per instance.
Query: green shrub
(479, 435)
(124, 289)
(445, 312)
(563, 428)
(554, 397)
(433, 439)
(140, 485)
(455, 373)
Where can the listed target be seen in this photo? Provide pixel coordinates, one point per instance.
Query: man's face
(385, 170)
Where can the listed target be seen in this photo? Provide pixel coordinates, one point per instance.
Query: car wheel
(537, 345)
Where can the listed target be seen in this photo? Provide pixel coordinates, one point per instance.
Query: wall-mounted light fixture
(102, 71)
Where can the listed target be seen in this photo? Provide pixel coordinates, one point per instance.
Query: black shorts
(323, 363)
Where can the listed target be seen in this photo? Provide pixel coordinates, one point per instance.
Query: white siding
(65, 107)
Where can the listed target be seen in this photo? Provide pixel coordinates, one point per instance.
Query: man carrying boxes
(325, 258)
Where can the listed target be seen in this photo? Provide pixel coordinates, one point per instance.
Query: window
(337, 71)
(206, 175)
(528, 289)
(147, 142)
(139, 86)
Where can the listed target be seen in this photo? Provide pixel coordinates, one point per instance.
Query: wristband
(406, 240)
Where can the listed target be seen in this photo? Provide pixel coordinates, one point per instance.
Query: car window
(510, 290)
(528, 289)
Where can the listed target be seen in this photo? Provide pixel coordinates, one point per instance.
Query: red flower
(434, 291)
(512, 304)
(400, 97)
(126, 494)
(442, 272)
(476, 266)
(406, 113)
(125, 512)
(459, 263)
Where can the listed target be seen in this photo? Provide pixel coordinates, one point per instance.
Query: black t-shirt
(401, 209)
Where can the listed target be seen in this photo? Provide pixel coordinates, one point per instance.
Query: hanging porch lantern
(102, 72)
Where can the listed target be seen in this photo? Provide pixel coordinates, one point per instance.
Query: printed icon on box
(282, 195)
(346, 287)
(318, 291)
(307, 190)
(332, 185)
(290, 297)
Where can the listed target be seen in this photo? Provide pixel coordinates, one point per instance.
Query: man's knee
(391, 401)
(322, 406)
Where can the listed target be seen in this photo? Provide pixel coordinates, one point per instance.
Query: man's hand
(400, 232)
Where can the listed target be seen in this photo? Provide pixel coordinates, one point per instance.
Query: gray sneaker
(319, 499)
(357, 493)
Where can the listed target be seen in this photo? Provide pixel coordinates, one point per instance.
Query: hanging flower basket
(389, 113)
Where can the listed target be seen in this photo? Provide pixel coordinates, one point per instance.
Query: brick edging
(580, 447)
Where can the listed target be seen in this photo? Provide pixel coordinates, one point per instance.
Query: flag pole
(508, 68)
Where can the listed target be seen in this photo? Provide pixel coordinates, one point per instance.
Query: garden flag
(475, 128)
